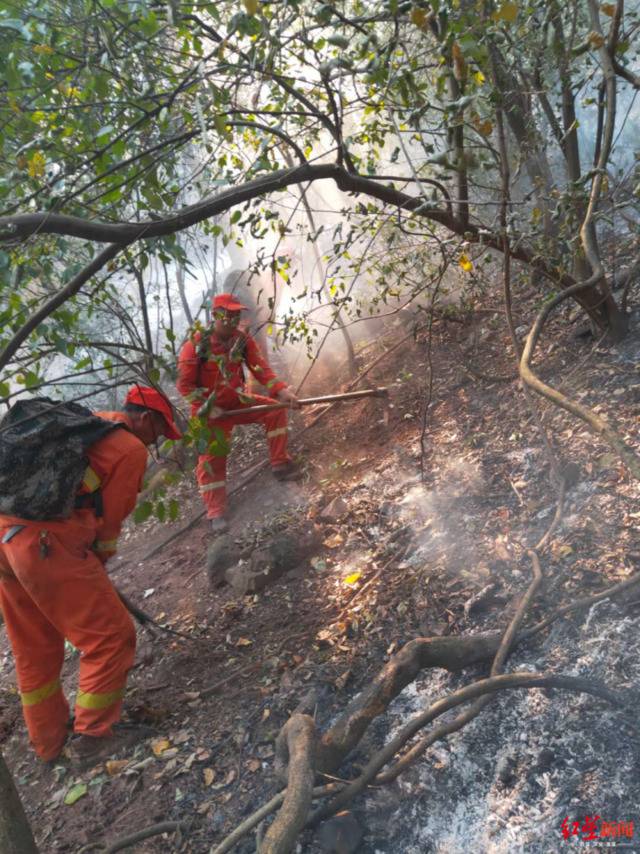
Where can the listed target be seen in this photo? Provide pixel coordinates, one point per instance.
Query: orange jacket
(119, 461)
(215, 366)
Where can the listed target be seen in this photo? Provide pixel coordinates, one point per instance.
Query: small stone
(505, 769)
(334, 510)
(545, 759)
(221, 554)
(340, 835)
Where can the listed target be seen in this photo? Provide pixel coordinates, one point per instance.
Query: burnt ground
(410, 555)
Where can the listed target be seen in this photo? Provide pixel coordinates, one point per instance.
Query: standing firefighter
(211, 374)
(68, 479)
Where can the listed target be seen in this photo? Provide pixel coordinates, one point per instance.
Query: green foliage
(128, 111)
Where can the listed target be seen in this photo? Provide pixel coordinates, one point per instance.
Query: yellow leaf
(595, 39)
(37, 164)
(508, 13)
(115, 766)
(466, 263)
(564, 551)
(334, 541)
(479, 78)
(209, 776)
(160, 745)
(608, 9)
(351, 579)
(251, 6)
(243, 642)
(42, 49)
(419, 17)
(536, 213)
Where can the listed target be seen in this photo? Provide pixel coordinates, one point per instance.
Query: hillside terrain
(407, 524)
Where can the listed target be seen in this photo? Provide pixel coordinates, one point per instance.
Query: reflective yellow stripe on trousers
(32, 698)
(87, 700)
(279, 431)
(209, 487)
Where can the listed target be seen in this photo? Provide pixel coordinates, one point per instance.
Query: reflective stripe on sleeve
(280, 431)
(209, 487)
(32, 698)
(86, 700)
(91, 481)
(105, 545)
(271, 383)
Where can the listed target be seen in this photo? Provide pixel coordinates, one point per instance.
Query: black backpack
(43, 460)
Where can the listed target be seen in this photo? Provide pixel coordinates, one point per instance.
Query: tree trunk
(15, 831)
(145, 319)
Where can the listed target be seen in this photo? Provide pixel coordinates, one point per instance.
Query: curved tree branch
(299, 737)
(469, 692)
(598, 425)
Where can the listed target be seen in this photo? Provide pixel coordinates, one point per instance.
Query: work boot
(218, 525)
(85, 751)
(287, 471)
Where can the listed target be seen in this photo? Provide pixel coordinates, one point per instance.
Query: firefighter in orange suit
(211, 374)
(53, 585)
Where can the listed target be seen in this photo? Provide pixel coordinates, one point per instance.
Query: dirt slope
(409, 556)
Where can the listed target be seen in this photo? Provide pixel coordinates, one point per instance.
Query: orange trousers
(211, 471)
(53, 587)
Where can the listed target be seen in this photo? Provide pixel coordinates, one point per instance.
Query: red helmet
(152, 399)
(228, 302)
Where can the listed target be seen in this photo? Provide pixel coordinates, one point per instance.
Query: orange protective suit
(53, 585)
(212, 366)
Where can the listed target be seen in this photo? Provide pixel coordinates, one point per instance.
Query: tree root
(469, 692)
(145, 833)
(473, 711)
(298, 740)
(260, 814)
(453, 654)
(596, 424)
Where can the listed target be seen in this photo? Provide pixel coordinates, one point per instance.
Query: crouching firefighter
(211, 376)
(68, 479)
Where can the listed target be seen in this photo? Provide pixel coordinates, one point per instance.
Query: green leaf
(105, 131)
(235, 216)
(142, 512)
(75, 793)
(174, 509)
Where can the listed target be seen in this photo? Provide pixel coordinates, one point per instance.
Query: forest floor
(425, 544)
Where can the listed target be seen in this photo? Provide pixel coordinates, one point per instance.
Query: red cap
(227, 301)
(151, 398)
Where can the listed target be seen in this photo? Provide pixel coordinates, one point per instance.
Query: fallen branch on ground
(469, 692)
(145, 833)
(297, 738)
(260, 814)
